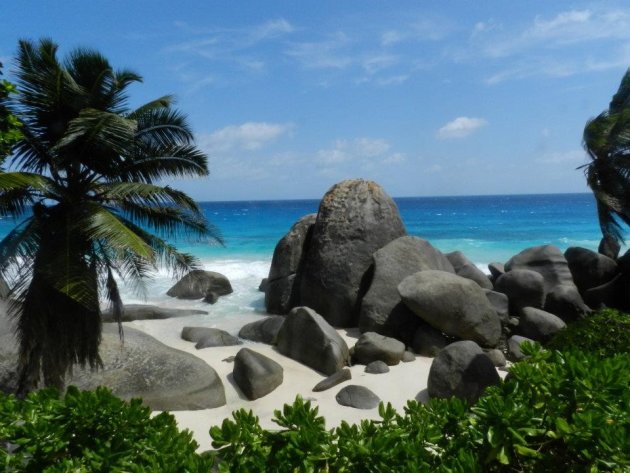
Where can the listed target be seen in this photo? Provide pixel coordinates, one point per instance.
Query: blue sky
(426, 98)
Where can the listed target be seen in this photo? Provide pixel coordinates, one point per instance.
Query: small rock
(229, 359)
(211, 298)
(497, 357)
(206, 337)
(461, 370)
(408, 357)
(198, 283)
(514, 347)
(255, 374)
(538, 324)
(358, 397)
(333, 380)
(264, 331)
(377, 367)
(371, 347)
(262, 287)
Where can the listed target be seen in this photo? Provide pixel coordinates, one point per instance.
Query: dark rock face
(500, 302)
(358, 397)
(589, 269)
(205, 337)
(514, 347)
(377, 367)
(496, 270)
(523, 287)
(563, 298)
(372, 347)
(255, 374)
(333, 380)
(467, 269)
(615, 293)
(355, 219)
(262, 287)
(306, 337)
(148, 312)
(461, 370)
(610, 247)
(165, 378)
(538, 324)
(428, 341)
(264, 331)
(382, 309)
(282, 292)
(198, 284)
(457, 306)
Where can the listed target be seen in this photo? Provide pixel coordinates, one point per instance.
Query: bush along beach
(556, 411)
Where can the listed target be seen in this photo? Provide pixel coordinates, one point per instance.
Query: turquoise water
(485, 228)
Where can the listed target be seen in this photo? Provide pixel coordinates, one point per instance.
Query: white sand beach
(405, 381)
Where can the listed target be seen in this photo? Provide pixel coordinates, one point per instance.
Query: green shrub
(606, 333)
(91, 431)
(557, 411)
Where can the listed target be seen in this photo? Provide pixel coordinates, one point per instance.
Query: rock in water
(255, 374)
(382, 309)
(563, 298)
(306, 337)
(457, 306)
(355, 219)
(358, 397)
(149, 312)
(463, 370)
(197, 284)
(282, 289)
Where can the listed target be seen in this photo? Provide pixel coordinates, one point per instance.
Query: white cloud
(377, 63)
(247, 136)
(573, 157)
(326, 54)
(352, 150)
(391, 37)
(461, 127)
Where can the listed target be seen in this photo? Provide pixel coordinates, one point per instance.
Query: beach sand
(404, 381)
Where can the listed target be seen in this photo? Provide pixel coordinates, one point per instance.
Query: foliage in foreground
(91, 431)
(9, 124)
(605, 333)
(556, 412)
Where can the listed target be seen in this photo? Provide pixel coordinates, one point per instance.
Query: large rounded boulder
(563, 298)
(165, 378)
(382, 309)
(454, 305)
(588, 268)
(282, 290)
(523, 288)
(305, 336)
(355, 219)
(462, 370)
(199, 284)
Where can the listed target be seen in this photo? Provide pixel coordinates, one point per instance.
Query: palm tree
(607, 141)
(85, 179)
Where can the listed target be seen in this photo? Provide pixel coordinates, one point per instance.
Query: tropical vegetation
(559, 410)
(9, 124)
(85, 184)
(607, 141)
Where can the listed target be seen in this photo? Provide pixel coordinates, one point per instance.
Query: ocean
(485, 228)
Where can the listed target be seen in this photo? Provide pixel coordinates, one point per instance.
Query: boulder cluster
(353, 265)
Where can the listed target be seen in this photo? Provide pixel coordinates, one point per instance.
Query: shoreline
(405, 381)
